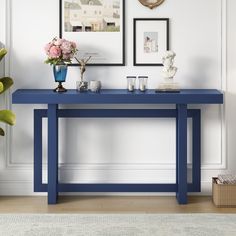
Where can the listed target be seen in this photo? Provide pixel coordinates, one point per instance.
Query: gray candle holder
(82, 86)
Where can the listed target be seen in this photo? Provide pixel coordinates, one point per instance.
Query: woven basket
(224, 195)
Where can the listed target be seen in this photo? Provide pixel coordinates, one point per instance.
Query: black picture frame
(167, 46)
(123, 53)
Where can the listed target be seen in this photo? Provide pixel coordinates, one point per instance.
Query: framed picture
(151, 40)
(98, 28)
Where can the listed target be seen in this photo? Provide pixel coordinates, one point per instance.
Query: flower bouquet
(60, 52)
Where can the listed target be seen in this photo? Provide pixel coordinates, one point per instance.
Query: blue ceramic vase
(60, 72)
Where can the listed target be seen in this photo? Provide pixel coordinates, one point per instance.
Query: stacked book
(226, 179)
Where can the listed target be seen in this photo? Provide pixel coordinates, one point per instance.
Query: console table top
(117, 96)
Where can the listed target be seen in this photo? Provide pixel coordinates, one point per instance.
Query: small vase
(82, 86)
(60, 72)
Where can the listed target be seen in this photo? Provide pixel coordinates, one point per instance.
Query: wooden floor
(109, 205)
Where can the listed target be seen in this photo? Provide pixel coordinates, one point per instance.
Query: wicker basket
(224, 195)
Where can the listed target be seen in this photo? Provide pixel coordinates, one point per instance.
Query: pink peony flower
(55, 52)
(59, 42)
(66, 47)
(60, 50)
(47, 48)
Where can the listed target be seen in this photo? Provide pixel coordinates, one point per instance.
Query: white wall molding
(8, 40)
(108, 166)
(224, 15)
(2, 72)
(25, 189)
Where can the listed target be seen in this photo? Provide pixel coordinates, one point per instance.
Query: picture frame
(95, 37)
(151, 40)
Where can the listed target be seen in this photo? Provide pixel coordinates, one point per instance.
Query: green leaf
(1, 87)
(3, 52)
(2, 133)
(8, 117)
(7, 83)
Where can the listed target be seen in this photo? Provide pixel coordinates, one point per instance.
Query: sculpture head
(168, 59)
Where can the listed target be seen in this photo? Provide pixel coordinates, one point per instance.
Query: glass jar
(131, 83)
(143, 80)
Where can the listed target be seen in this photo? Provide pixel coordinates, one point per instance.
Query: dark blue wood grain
(117, 96)
(37, 149)
(176, 149)
(114, 113)
(182, 99)
(52, 153)
(116, 188)
(196, 150)
(182, 153)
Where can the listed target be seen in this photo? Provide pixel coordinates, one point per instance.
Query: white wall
(231, 86)
(121, 150)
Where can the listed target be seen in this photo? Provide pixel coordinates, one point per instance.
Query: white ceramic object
(169, 71)
(95, 86)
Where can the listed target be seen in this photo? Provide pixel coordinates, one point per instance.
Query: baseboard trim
(26, 189)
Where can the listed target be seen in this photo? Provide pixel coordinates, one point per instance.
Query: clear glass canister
(131, 83)
(143, 81)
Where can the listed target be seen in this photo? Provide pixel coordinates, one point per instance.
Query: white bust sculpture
(169, 70)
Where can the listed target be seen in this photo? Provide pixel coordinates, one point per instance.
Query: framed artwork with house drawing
(98, 28)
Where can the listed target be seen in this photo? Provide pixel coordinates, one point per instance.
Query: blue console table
(181, 114)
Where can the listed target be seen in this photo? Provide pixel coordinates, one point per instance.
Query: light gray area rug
(118, 225)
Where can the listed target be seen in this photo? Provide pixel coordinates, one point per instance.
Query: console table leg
(182, 153)
(196, 166)
(38, 162)
(177, 151)
(52, 153)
